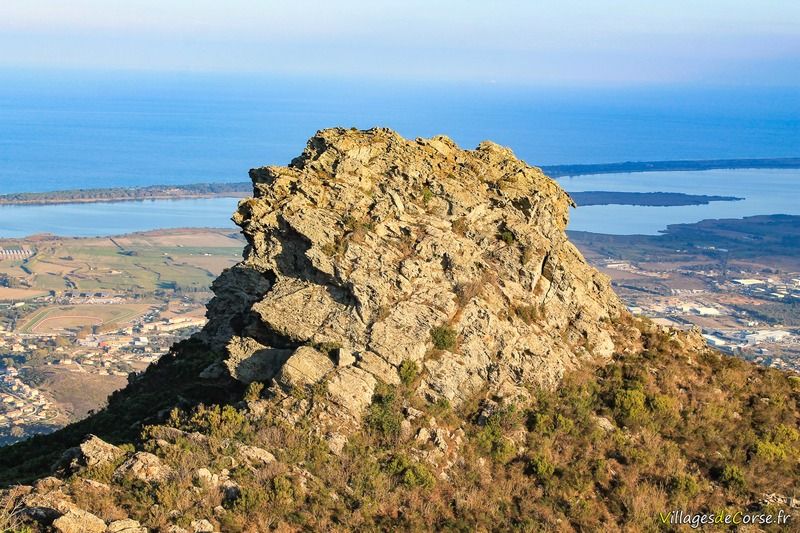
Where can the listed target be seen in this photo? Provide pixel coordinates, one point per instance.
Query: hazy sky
(562, 42)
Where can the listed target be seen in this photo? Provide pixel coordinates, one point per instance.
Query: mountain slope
(412, 342)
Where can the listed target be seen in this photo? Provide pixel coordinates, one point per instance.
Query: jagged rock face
(396, 250)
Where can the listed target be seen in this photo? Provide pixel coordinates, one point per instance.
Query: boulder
(255, 456)
(306, 366)
(249, 361)
(379, 368)
(143, 466)
(125, 526)
(77, 521)
(202, 526)
(352, 388)
(92, 452)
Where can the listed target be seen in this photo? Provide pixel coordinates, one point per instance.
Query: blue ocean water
(68, 130)
(64, 130)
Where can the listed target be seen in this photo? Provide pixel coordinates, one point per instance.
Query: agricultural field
(12, 294)
(78, 314)
(187, 260)
(54, 319)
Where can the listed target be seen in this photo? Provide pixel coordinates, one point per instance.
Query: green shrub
(767, 450)
(384, 416)
(507, 237)
(630, 407)
(253, 391)
(684, 486)
(408, 472)
(732, 477)
(778, 445)
(786, 435)
(444, 338)
(666, 408)
(427, 195)
(282, 491)
(491, 439)
(541, 468)
(250, 500)
(408, 372)
(218, 421)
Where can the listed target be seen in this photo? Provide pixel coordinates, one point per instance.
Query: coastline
(563, 171)
(129, 194)
(244, 189)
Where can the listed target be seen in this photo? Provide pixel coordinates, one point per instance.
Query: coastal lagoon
(116, 218)
(765, 192)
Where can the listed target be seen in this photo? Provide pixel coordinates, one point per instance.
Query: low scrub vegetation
(609, 449)
(444, 338)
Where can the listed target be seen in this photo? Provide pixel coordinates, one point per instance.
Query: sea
(79, 129)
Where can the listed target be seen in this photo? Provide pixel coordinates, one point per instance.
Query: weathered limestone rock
(143, 466)
(306, 366)
(47, 484)
(205, 478)
(77, 521)
(379, 368)
(45, 506)
(352, 389)
(93, 451)
(202, 526)
(344, 357)
(249, 361)
(255, 456)
(126, 526)
(371, 243)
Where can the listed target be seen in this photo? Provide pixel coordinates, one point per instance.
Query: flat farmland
(56, 318)
(140, 263)
(7, 293)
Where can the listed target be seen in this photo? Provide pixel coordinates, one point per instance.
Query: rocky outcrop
(125, 526)
(49, 505)
(143, 466)
(92, 452)
(77, 521)
(388, 250)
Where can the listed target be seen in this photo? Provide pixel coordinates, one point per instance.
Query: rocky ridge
(371, 251)
(394, 335)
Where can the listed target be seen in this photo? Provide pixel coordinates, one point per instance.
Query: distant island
(658, 199)
(126, 194)
(558, 171)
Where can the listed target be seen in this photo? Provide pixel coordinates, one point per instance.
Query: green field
(52, 319)
(140, 263)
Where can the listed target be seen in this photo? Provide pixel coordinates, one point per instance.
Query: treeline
(127, 193)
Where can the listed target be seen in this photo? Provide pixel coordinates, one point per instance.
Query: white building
(767, 335)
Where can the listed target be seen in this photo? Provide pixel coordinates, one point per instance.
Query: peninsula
(127, 194)
(656, 199)
(243, 189)
(559, 171)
